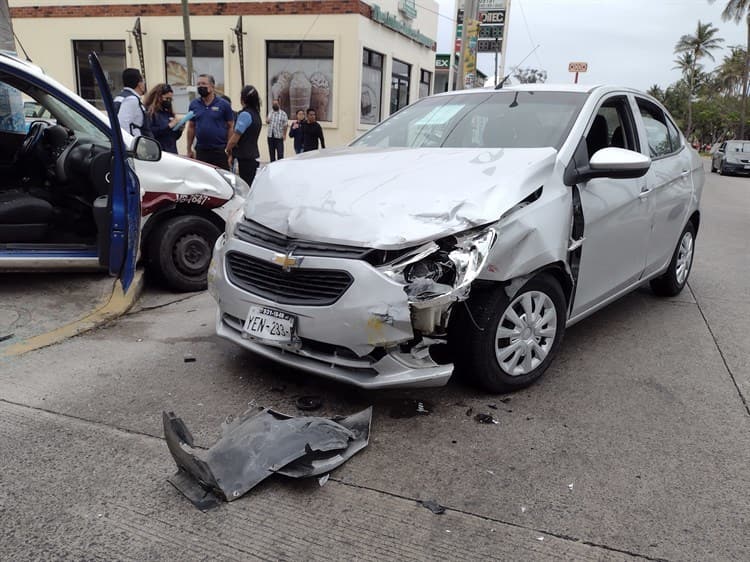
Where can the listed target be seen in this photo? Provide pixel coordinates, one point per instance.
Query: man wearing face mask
(210, 126)
(277, 122)
(130, 111)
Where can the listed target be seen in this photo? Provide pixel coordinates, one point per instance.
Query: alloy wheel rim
(526, 333)
(684, 258)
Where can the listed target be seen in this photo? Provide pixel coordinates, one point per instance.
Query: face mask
(166, 105)
(275, 107)
(203, 91)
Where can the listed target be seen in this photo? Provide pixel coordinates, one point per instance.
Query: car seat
(23, 217)
(598, 136)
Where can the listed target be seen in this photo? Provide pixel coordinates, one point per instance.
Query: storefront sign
(486, 5)
(391, 21)
(408, 8)
(470, 52)
(442, 62)
(491, 31)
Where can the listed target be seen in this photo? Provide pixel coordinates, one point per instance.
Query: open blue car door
(123, 204)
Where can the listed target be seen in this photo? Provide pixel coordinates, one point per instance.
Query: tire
(179, 252)
(674, 279)
(713, 168)
(722, 170)
(477, 347)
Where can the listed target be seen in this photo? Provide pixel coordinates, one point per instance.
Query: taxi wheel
(179, 252)
(506, 343)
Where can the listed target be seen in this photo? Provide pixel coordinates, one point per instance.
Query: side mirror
(147, 149)
(611, 162)
(619, 163)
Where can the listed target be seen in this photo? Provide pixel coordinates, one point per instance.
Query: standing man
(130, 111)
(312, 132)
(277, 122)
(210, 126)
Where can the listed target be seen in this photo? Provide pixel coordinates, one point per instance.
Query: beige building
(356, 62)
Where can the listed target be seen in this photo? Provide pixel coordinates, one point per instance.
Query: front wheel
(179, 252)
(674, 279)
(507, 343)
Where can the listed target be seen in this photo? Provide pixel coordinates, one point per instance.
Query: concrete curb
(118, 304)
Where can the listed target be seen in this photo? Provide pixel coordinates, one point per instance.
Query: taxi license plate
(269, 324)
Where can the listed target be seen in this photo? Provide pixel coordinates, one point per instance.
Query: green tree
(731, 71)
(737, 10)
(656, 92)
(698, 45)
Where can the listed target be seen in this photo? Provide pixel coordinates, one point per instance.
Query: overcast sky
(625, 42)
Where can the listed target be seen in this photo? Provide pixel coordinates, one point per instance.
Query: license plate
(747, 166)
(269, 324)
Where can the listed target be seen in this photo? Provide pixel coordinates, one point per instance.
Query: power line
(528, 32)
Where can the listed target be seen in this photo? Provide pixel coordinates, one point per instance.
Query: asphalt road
(636, 444)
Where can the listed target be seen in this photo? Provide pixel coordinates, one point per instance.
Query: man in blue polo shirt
(210, 126)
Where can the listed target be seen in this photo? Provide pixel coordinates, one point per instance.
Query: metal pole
(497, 52)
(471, 13)
(452, 55)
(188, 46)
(576, 80)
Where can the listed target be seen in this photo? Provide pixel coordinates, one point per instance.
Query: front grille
(256, 233)
(314, 287)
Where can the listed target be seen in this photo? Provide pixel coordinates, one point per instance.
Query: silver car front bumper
(358, 340)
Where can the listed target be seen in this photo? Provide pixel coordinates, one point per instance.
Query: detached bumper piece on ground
(257, 445)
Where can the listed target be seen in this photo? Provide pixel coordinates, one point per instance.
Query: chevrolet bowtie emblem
(287, 261)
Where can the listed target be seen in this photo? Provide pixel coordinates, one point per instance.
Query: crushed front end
(368, 317)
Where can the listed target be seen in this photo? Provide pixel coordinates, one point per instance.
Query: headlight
(443, 268)
(238, 185)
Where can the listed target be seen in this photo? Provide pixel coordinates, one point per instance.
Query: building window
(424, 83)
(400, 81)
(300, 76)
(112, 57)
(372, 87)
(208, 58)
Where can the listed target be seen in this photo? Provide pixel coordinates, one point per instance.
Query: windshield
(738, 147)
(505, 119)
(50, 108)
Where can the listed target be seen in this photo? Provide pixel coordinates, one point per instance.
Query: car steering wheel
(36, 131)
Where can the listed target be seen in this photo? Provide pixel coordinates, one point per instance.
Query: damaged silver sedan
(465, 233)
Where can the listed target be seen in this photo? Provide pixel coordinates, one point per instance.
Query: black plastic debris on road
(433, 506)
(189, 359)
(409, 408)
(309, 403)
(484, 418)
(5, 337)
(256, 445)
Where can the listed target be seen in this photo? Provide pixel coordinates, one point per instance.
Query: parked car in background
(732, 157)
(465, 232)
(56, 177)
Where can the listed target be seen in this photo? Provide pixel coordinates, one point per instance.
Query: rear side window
(657, 132)
(674, 136)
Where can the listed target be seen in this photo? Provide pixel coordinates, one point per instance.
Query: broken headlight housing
(238, 185)
(444, 268)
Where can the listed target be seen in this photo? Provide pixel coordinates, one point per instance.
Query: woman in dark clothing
(158, 103)
(243, 144)
(296, 131)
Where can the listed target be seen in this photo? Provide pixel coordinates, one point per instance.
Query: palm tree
(698, 45)
(656, 92)
(738, 10)
(731, 71)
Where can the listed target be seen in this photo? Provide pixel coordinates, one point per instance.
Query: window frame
(97, 101)
(665, 119)
(399, 77)
(367, 62)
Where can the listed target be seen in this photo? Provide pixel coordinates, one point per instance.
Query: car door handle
(684, 173)
(645, 190)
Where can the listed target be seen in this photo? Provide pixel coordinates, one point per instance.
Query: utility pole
(188, 46)
(469, 36)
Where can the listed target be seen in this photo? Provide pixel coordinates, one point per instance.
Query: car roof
(14, 60)
(539, 87)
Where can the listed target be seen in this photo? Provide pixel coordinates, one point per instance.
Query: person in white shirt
(278, 123)
(130, 110)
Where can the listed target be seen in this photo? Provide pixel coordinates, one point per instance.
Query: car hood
(177, 174)
(393, 198)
